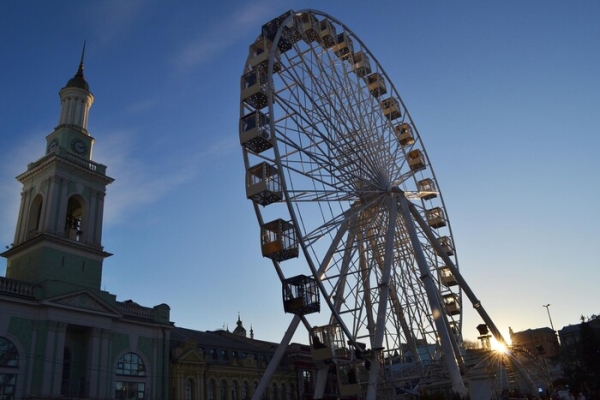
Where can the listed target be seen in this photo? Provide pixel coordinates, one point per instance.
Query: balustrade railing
(17, 287)
(135, 310)
(92, 166)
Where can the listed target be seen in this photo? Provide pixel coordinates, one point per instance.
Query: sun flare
(498, 347)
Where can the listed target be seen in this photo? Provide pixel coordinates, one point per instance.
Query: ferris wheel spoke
(340, 114)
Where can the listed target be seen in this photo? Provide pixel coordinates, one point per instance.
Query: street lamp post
(549, 317)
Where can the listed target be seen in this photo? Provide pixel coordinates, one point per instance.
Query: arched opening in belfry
(35, 214)
(73, 223)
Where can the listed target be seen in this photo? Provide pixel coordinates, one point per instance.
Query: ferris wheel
(350, 210)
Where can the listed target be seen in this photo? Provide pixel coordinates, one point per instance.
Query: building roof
(221, 339)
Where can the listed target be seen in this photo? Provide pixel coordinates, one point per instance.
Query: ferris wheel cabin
(308, 26)
(328, 36)
(455, 330)
(301, 295)
(263, 185)
(446, 243)
(361, 64)
(254, 88)
(435, 217)
(376, 84)
(427, 189)
(254, 132)
(350, 379)
(344, 47)
(328, 345)
(259, 55)
(279, 241)
(327, 342)
(404, 134)
(446, 277)
(416, 161)
(287, 38)
(452, 303)
(391, 108)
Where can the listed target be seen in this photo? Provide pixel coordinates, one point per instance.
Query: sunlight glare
(497, 346)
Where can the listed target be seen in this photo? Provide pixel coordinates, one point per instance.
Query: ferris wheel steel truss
(342, 184)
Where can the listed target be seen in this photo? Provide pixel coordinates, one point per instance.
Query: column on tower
(75, 105)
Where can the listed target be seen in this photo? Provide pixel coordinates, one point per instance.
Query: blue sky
(505, 95)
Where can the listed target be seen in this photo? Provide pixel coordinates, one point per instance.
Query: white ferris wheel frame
(338, 153)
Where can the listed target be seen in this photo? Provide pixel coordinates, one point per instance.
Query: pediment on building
(189, 353)
(192, 357)
(84, 301)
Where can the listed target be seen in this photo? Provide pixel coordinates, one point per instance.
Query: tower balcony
(62, 153)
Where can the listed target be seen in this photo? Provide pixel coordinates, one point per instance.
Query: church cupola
(239, 329)
(76, 100)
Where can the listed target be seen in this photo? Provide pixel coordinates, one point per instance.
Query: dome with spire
(78, 81)
(239, 329)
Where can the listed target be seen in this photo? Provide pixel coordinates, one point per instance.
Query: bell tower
(58, 238)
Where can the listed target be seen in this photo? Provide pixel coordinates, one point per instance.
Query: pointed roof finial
(79, 80)
(80, 70)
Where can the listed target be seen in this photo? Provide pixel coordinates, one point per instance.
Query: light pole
(549, 317)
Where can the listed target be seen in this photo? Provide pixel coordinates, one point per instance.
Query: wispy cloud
(138, 182)
(223, 34)
(142, 105)
(143, 181)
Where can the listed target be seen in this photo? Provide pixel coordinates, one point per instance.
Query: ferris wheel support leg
(450, 360)
(470, 294)
(272, 367)
(459, 278)
(384, 294)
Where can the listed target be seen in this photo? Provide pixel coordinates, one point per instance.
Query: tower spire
(80, 69)
(78, 80)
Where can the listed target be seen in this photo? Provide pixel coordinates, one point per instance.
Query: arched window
(235, 389)
(128, 384)
(223, 391)
(131, 364)
(212, 388)
(188, 388)
(73, 224)
(245, 390)
(9, 361)
(9, 356)
(35, 213)
(274, 392)
(284, 394)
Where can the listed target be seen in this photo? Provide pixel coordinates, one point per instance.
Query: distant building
(541, 341)
(213, 365)
(60, 334)
(581, 353)
(540, 351)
